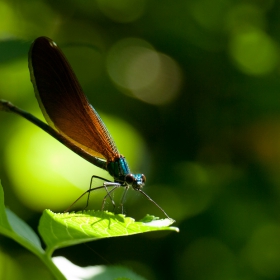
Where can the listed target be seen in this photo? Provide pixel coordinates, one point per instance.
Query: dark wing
(63, 102)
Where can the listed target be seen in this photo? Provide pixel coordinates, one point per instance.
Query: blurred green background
(189, 90)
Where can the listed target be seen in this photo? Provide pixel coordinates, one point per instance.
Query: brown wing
(63, 102)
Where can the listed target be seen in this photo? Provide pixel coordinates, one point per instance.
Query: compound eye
(143, 177)
(129, 178)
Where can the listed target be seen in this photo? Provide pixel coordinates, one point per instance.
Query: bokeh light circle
(254, 52)
(137, 68)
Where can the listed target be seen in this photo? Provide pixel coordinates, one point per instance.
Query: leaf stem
(52, 267)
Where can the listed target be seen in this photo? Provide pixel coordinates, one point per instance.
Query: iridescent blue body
(120, 171)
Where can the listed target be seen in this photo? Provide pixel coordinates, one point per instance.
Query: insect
(73, 121)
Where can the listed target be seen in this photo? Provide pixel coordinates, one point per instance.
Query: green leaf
(4, 224)
(15, 228)
(24, 232)
(12, 226)
(61, 230)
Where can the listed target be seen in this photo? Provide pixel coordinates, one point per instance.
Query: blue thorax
(120, 171)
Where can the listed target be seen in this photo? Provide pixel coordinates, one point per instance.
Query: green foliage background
(190, 92)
